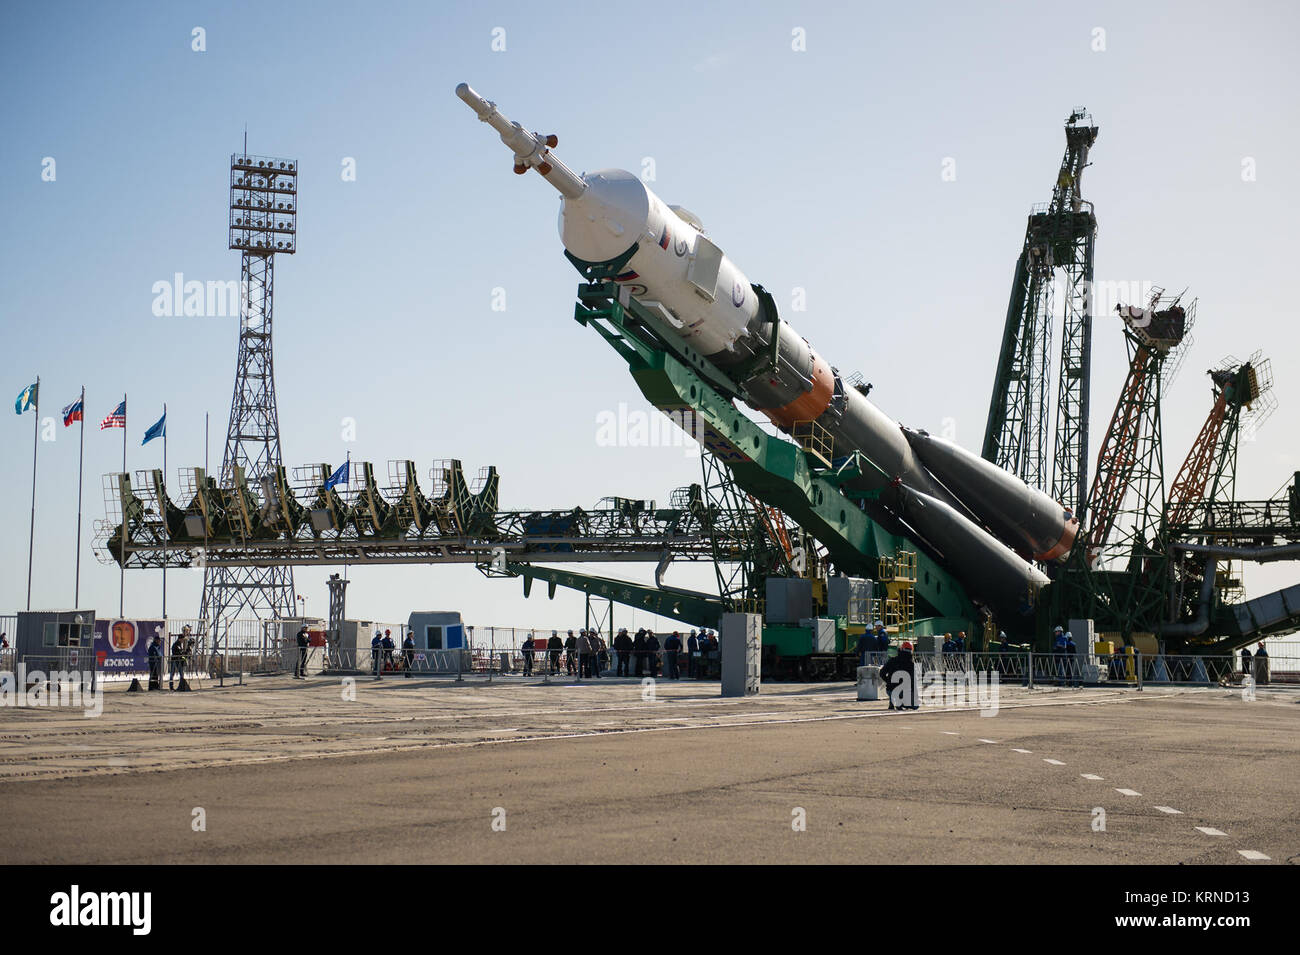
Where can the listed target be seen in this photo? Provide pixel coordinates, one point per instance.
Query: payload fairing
(981, 522)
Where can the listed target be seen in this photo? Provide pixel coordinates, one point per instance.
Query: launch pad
(836, 497)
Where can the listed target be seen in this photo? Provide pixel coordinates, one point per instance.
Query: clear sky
(819, 169)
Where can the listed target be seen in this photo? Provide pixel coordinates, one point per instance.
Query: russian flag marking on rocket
(664, 239)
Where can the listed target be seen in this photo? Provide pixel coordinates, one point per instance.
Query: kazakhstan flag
(26, 399)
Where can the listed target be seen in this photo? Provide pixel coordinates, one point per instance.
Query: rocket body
(973, 515)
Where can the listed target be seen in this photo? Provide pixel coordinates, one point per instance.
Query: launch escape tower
(1057, 256)
(263, 222)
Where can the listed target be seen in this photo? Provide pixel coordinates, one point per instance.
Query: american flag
(116, 420)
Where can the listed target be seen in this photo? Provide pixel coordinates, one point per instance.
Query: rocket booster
(975, 515)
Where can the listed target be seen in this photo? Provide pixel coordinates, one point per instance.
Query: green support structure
(773, 470)
(699, 610)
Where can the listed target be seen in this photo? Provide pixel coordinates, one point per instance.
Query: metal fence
(1137, 669)
(232, 649)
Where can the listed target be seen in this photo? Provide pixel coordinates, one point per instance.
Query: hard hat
(907, 645)
(1058, 630)
(1002, 635)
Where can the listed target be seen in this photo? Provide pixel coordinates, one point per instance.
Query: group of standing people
(875, 640)
(955, 644)
(1068, 669)
(585, 653)
(382, 653)
(182, 649)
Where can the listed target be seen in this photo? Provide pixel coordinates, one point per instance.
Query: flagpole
(349, 463)
(121, 579)
(81, 463)
(162, 505)
(31, 535)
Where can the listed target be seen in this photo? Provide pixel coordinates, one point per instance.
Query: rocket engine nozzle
(531, 150)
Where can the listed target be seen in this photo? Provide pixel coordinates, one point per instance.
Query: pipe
(1194, 628)
(1258, 555)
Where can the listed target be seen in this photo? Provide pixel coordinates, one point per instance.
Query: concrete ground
(512, 771)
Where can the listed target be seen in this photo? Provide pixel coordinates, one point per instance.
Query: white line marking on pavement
(1022, 750)
(1209, 831)
(1128, 792)
(1092, 776)
(1054, 762)
(1253, 856)
(988, 741)
(949, 733)
(1170, 810)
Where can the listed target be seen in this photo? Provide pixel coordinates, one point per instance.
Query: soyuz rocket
(982, 523)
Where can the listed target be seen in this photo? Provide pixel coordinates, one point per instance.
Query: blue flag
(159, 430)
(26, 399)
(340, 476)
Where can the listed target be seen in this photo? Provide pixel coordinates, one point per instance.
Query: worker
(177, 668)
(584, 654)
(638, 652)
(1246, 669)
(304, 641)
(1058, 650)
(672, 647)
(571, 654)
(599, 655)
(554, 647)
(1261, 664)
(865, 645)
(948, 645)
(960, 641)
(882, 637)
(692, 648)
(408, 652)
(389, 647)
(1071, 660)
(155, 663)
(652, 653)
(623, 653)
(527, 649)
(1003, 645)
(376, 648)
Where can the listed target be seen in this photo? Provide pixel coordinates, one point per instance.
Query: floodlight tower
(263, 222)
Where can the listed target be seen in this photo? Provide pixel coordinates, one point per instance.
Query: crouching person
(899, 676)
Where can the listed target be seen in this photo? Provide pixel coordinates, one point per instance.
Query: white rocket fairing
(974, 515)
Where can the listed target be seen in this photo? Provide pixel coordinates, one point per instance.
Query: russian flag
(72, 413)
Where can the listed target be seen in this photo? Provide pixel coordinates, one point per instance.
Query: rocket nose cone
(607, 218)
